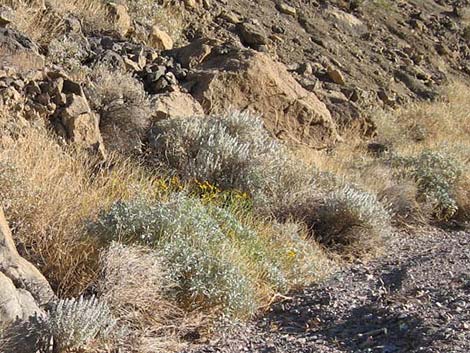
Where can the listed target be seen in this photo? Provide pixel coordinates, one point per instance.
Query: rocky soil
(414, 299)
(352, 57)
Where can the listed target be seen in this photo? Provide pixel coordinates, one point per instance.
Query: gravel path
(414, 299)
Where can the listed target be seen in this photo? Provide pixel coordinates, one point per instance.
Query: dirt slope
(387, 52)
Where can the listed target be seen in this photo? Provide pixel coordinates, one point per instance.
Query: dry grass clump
(48, 192)
(43, 24)
(124, 108)
(133, 283)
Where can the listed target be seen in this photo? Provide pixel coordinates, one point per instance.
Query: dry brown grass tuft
(124, 108)
(49, 192)
(133, 283)
(45, 24)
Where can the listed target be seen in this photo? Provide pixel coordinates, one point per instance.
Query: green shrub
(215, 260)
(351, 221)
(233, 151)
(436, 175)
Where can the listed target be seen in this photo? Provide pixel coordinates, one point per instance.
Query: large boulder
(18, 52)
(232, 77)
(23, 289)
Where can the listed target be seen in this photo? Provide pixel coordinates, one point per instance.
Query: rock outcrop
(176, 104)
(18, 52)
(23, 289)
(227, 77)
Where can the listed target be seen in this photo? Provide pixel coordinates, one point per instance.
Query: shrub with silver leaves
(73, 323)
(233, 151)
(436, 176)
(351, 221)
(207, 251)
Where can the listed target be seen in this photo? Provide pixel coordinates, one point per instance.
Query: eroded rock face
(23, 289)
(230, 77)
(18, 52)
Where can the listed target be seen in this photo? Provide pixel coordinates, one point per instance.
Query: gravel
(415, 298)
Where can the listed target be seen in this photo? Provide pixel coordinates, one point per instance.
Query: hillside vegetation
(174, 167)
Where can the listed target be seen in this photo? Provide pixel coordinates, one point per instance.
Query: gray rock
(23, 289)
(18, 52)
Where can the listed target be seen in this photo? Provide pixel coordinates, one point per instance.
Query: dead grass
(43, 25)
(48, 193)
(442, 126)
(133, 283)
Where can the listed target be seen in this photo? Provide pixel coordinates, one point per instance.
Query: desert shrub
(69, 324)
(215, 260)
(68, 52)
(402, 199)
(74, 323)
(232, 151)
(351, 221)
(143, 11)
(436, 176)
(193, 246)
(123, 106)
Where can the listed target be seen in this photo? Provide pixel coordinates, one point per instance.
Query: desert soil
(415, 298)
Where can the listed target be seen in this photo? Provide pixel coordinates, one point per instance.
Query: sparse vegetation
(190, 220)
(124, 108)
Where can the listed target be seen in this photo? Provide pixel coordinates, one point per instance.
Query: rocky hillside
(172, 169)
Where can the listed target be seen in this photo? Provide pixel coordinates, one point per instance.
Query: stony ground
(414, 299)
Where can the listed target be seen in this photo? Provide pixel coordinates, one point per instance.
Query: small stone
(192, 4)
(159, 39)
(386, 97)
(252, 34)
(336, 76)
(131, 65)
(287, 9)
(231, 17)
(6, 16)
(305, 69)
